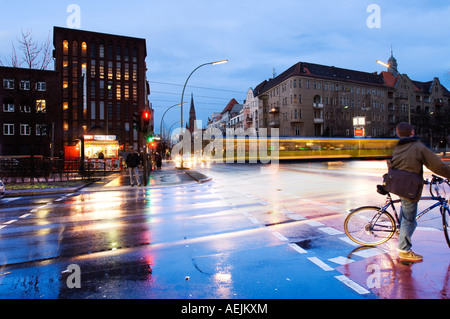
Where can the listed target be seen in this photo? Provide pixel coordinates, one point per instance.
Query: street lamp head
(219, 62)
(383, 64)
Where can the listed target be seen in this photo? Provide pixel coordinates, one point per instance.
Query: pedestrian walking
(133, 160)
(158, 160)
(410, 155)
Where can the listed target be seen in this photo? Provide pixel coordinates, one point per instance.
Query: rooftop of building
(324, 72)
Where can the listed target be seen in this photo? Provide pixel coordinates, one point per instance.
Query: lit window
(84, 49)
(118, 71)
(127, 92)
(127, 71)
(119, 92)
(41, 106)
(65, 47)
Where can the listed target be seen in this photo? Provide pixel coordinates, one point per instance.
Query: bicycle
(373, 225)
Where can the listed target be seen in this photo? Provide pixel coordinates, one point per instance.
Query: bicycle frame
(440, 202)
(372, 219)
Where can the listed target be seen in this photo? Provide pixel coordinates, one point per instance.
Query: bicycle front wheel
(446, 222)
(369, 226)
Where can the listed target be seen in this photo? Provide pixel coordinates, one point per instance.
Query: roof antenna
(274, 73)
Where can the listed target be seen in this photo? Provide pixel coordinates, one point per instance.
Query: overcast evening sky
(256, 36)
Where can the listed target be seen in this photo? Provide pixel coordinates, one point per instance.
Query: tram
(252, 150)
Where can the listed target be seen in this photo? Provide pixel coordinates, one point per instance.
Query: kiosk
(100, 152)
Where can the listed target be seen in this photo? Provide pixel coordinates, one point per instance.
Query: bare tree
(30, 54)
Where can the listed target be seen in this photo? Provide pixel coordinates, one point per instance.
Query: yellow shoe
(410, 256)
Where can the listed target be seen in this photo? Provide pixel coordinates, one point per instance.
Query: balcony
(318, 105)
(249, 119)
(318, 121)
(274, 123)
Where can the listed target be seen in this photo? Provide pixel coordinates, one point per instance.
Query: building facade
(250, 111)
(317, 100)
(30, 115)
(103, 83)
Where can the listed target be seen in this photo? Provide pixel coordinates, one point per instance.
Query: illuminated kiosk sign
(359, 124)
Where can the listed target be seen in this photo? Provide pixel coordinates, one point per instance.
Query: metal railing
(47, 169)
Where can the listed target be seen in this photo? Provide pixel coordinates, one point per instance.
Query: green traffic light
(150, 139)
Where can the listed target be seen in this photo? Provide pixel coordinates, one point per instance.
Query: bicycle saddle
(381, 190)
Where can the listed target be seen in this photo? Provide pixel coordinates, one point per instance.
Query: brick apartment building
(30, 112)
(102, 83)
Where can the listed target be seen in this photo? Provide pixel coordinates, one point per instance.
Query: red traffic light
(146, 115)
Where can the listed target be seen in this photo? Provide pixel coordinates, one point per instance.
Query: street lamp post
(409, 101)
(160, 127)
(163, 137)
(184, 89)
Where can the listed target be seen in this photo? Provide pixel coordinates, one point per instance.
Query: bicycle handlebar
(437, 180)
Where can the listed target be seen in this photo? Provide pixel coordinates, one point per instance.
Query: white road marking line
(353, 285)
(313, 223)
(7, 200)
(10, 222)
(330, 231)
(296, 216)
(320, 263)
(349, 241)
(366, 253)
(254, 220)
(427, 228)
(341, 260)
(297, 248)
(24, 216)
(279, 236)
(2, 226)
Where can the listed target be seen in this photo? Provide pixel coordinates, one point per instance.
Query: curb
(199, 177)
(47, 191)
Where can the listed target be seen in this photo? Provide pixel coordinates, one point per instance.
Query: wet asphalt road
(251, 233)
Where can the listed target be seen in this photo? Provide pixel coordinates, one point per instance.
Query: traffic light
(137, 122)
(150, 139)
(146, 117)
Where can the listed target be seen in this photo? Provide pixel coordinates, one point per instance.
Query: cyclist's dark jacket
(410, 155)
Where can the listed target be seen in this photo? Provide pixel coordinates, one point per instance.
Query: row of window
(343, 101)
(25, 129)
(40, 107)
(25, 85)
(109, 51)
(326, 86)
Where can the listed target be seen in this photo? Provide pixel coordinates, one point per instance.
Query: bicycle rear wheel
(446, 222)
(369, 226)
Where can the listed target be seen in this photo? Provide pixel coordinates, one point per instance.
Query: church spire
(393, 63)
(192, 116)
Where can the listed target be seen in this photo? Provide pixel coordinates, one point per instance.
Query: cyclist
(410, 155)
